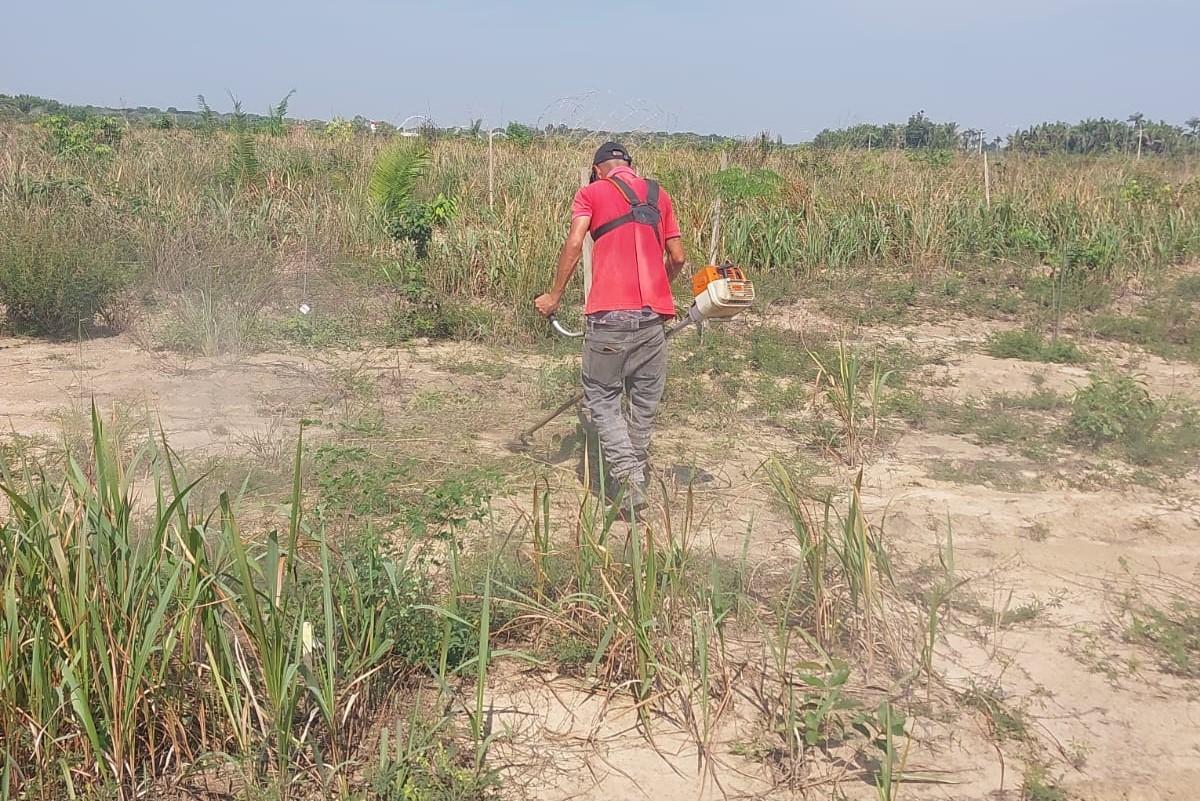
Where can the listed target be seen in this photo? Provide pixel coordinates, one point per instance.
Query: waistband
(634, 324)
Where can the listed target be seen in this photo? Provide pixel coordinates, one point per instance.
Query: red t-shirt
(627, 263)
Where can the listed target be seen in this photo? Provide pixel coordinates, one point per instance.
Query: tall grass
(307, 226)
(137, 635)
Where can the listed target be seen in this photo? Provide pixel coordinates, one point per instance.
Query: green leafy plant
(520, 135)
(392, 188)
(882, 730)
(90, 136)
(822, 705)
(418, 221)
(1112, 409)
(339, 129)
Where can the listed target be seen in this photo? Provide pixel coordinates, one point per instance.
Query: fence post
(987, 183)
(585, 175)
(715, 237)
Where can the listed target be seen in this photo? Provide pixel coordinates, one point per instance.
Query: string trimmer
(718, 293)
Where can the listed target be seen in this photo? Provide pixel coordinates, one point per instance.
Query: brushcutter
(718, 293)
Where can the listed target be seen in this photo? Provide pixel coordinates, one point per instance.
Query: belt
(624, 325)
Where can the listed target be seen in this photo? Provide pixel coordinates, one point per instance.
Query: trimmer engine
(720, 292)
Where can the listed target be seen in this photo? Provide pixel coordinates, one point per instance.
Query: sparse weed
(1171, 630)
(1006, 722)
(1001, 475)
(1039, 786)
(1163, 325)
(1031, 346)
(855, 395)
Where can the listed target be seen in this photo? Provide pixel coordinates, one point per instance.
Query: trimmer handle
(553, 318)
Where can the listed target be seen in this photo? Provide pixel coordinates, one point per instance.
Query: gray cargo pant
(631, 361)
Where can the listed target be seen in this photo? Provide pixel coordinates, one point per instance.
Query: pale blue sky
(706, 66)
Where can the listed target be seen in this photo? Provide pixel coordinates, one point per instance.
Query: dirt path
(1044, 562)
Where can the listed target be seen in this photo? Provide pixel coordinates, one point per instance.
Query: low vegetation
(138, 643)
(1031, 346)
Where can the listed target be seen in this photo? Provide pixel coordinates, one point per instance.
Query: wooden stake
(491, 174)
(715, 238)
(585, 176)
(987, 183)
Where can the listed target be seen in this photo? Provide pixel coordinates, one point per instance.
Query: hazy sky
(706, 66)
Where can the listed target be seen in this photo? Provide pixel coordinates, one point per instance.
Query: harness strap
(631, 197)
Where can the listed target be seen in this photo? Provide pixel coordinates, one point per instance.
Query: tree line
(27, 107)
(1135, 135)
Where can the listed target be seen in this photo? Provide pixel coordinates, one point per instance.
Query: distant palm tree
(1136, 118)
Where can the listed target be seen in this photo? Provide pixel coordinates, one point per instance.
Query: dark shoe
(637, 494)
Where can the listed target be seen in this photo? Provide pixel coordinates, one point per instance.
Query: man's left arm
(676, 258)
(672, 239)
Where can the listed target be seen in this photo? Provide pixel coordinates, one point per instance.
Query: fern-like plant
(208, 117)
(395, 177)
(392, 188)
(244, 168)
(276, 124)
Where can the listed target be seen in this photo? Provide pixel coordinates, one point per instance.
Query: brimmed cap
(609, 151)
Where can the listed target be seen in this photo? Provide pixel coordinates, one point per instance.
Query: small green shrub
(55, 277)
(1030, 346)
(520, 135)
(91, 136)
(1114, 409)
(933, 158)
(416, 221)
(1172, 448)
(392, 188)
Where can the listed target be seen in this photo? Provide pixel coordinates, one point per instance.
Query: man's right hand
(546, 304)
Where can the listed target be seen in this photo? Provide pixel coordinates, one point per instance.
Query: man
(624, 349)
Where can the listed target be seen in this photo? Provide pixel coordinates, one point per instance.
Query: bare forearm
(568, 257)
(676, 259)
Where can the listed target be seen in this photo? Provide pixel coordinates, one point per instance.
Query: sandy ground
(1112, 724)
